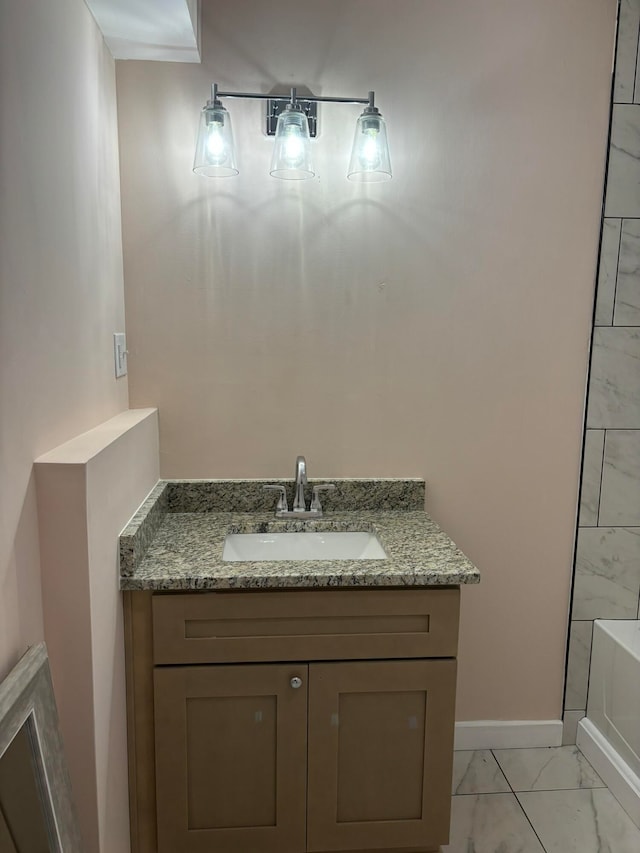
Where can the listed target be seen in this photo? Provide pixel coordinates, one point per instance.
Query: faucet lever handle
(282, 505)
(316, 506)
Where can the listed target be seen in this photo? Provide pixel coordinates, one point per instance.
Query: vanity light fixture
(291, 157)
(215, 152)
(293, 120)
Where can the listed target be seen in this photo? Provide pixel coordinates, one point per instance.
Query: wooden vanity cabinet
(231, 744)
(287, 722)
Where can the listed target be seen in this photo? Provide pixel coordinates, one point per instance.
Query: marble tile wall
(607, 569)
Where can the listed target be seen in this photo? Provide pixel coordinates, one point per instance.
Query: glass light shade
(215, 152)
(370, 153)
(291, 158)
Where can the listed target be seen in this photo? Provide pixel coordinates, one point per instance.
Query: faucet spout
(301, 481)
(299, 510)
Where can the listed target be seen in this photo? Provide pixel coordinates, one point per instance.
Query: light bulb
(293, 148)
(369, 151)
(291, 158)
(215, 144)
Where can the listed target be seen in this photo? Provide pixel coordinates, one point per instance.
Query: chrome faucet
(299, 509)
(299, 504)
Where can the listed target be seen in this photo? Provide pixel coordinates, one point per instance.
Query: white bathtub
(609, 735)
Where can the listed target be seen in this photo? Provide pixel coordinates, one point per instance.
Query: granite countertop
(175, 539)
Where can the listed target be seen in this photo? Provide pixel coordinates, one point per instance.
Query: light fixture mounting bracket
(275, 106)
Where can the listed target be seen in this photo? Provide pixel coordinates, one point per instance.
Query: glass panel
(215, 155)
(291, 157)
(370, 153)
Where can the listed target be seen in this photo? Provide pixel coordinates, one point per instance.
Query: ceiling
(161, 30)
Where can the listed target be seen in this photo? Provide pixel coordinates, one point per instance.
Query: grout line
(618, 220)
(485, 794)
(529, 822)
(615, 284)
(495, 758)
(635, 70)
(560, 790)
(604, 449)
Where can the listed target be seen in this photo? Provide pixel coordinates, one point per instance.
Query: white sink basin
(310, 545)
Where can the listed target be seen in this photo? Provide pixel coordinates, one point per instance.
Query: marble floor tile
(570, 722)
(627, 299)
(490, 823)
(607, 581)
(591, 475)
(623, 178)
(578, 665)
(477, 772)
(547, 768)
(620, 490)
(580, 821)
(614, 385)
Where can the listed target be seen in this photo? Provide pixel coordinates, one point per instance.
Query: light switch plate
(120, 354)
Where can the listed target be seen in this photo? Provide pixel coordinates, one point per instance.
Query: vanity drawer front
(311, 625)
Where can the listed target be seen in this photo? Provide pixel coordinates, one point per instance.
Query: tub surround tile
(580, 821)
(614, 387)
(626, 51)
(607, 584)
(477, 772)
(578, 666)
(570, 722)
(623, 181)
(490, 823)
(620, 491)
(547, 768)
(627, 291)
(186, 549)
(608, 271)
(591, 475)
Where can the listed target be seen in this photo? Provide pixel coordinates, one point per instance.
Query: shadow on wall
(20, 593)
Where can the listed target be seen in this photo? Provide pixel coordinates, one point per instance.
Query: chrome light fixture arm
(292, 97)
(277, 103)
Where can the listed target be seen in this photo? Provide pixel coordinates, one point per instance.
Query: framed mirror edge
(27, 699)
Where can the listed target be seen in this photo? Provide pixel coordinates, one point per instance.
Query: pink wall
(61, 287)
(88, 488)
(435, 326)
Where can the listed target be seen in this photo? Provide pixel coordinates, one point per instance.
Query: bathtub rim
(626, 632)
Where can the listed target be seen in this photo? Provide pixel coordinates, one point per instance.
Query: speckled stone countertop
(175, 539)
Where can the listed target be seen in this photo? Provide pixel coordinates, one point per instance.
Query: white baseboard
(612, 769)
(508, 734)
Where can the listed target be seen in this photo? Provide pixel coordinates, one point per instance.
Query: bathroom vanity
(289, 706)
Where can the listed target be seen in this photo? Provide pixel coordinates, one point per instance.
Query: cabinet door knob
(296, 682)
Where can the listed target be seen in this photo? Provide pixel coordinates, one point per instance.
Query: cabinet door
(380, 754)
(231, 758)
